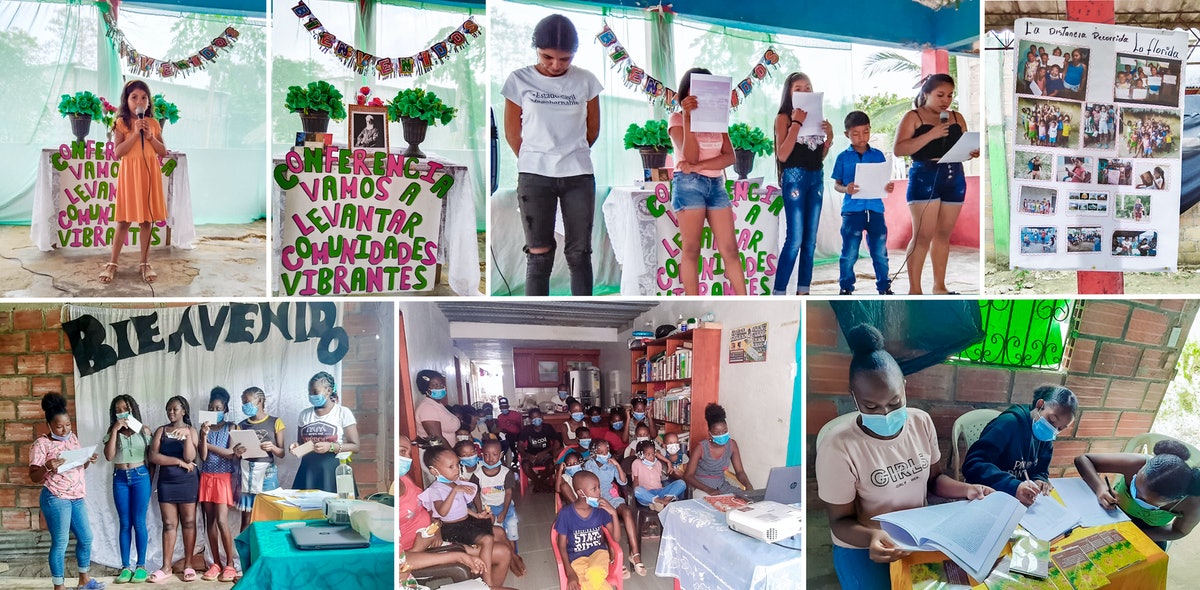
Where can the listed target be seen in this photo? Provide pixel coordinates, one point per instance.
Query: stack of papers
(1047, 519)
(1079, 499)
(302, 499)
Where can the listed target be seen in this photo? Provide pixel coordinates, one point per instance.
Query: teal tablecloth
(271, 560)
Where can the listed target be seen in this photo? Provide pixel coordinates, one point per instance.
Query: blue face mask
(1133, 494)
(250, 410)
(443, 479)
(469, 462)
(536, 421)
(721, 439)
(593, 502)
(317, 400)
(60, 438)
(1043, 431)
(437, 393)
(585, 442)
(573, 469)
(639, 415)
(495, 465)
(649, 462)
(618, 424)
(577, 416)
(562, 395)
(602, 459)
(595, 419)
(403, 464)
(220, 417)
(503, 410)
(122, 415)
(886, 424)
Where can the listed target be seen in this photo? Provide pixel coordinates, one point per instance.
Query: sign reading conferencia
(358, 221)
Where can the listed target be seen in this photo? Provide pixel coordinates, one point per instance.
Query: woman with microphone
(936, 191)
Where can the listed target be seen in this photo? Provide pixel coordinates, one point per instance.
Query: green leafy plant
(416, 103)
(651, 135)
(745, 137)
(164, 109)
(317, 96)
(81, 103)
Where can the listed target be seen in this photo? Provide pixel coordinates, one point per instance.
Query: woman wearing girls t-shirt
(551, 120)
(331, 428)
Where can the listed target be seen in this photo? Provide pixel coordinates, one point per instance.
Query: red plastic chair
(614, 566)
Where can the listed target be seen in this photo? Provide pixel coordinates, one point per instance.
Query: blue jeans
(131, 494)
(803, 191)
(853, 225)
(929, 180)
(510, 520)
(647, 497)
(856, 571)
(62, 518)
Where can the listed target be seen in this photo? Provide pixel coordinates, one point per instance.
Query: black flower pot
(80, 126)
(653, 158)
(743, 163)
(315, 122)
(414, 134)
(162, 123)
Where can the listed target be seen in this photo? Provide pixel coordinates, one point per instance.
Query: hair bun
(1170, 446)
(864, 339)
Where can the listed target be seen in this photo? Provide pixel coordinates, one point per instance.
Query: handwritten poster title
(86, 203)
(358, 222)
(756, 225)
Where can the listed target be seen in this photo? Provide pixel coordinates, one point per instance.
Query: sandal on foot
(92, 584)
(189, 575)
(139, 575)
(125, 577)
(159, 577)
(228, 574)
(625, 572)
(638, 566)
(211, 573)
(106, 275)
(148, 273)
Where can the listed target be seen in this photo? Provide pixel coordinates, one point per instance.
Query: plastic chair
(614, 566)
(454, 572)
(968, 426)
(829, 426)
(1144, 444)
(525, 478)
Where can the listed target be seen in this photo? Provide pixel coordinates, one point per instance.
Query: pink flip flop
(189, 575)
(159, 577)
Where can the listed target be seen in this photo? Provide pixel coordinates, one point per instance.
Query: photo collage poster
(1096, 146)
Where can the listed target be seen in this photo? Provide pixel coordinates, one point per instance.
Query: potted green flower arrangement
(165, 110)
(317, 103)
(651, 140)
(747, 142)
(416, 110)
(81, 108)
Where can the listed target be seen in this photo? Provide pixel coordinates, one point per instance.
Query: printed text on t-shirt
(539, 97)
(902, 471)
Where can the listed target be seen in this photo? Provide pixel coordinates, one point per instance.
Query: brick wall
(1119, 368)
(35, 359)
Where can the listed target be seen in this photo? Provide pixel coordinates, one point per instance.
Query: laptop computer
(328, 537)
(785, 485)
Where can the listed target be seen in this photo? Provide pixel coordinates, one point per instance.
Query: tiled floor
(536, 513)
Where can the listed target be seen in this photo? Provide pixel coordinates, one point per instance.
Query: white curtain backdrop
(278, 365)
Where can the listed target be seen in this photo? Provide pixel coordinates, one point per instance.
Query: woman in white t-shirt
(331, 428)
(551, 120)
(886, 460)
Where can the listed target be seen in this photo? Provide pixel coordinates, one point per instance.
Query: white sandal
(110, 270)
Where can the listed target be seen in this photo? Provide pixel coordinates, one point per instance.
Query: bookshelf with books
(682, 374)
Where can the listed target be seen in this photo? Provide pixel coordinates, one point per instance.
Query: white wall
(757, 396)
(427, 334)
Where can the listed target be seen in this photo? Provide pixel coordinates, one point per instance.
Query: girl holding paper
(936, 191)
(800, 159)
(331, 429)
(174, 449)
(698, 193)
(259, 474)
(126, 448)
(62, 500)
(220, 462)
(886, 460)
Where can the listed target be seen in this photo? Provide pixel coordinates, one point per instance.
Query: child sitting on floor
(580, 540)
(647, 473)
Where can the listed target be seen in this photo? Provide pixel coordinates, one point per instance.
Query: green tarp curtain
(919, 334)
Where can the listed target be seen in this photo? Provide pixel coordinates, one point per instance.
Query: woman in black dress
(174, 449)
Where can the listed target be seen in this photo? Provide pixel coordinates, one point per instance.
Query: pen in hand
(1112, 493)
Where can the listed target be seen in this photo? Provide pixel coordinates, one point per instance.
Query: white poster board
(1111, 130)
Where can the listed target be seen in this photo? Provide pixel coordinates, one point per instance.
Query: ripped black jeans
(538, 197)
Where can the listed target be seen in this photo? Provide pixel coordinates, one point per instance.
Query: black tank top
(803, 157)
(938, 147)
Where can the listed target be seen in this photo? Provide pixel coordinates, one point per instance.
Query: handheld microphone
(943, 118)
(141, 114)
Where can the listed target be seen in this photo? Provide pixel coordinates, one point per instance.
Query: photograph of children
(1088, 203)
(1147, 80)
(1048, 123)
(1099, 126)
(1149, 133)
(1135, 243)
(1039, 240)
(1114, 171)
(1059, 71)
(1033, 165)
(1084, 239)
(1132, 207)
(1038, 200)
(1150, 176)
(1075, 169)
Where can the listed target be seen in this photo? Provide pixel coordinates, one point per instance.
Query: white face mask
(673, 448)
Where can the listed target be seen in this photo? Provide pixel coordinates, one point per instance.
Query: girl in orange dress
(140, 197)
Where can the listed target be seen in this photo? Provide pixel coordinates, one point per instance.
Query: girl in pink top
(449, 500)
(698, 193)
(62, 500)
(885, 460)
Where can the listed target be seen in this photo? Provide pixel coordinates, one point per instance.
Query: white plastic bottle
(344, 477)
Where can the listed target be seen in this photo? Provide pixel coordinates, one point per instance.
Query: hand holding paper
(872, 180)
(712, 93)
(209, 417)
(302, 450)
(962, 151)
(76, 457)
(810, 103)
(248, 439)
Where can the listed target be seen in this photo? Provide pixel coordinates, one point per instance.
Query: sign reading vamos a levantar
(359, 222)
(1096, 141)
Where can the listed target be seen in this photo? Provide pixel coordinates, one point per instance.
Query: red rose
(365, 90)
(377, 102)
(362, 99)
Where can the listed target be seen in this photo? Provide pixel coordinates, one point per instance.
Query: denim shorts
(928, 181)
(697, 191)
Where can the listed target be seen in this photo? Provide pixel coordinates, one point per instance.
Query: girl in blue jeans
(800, 160)
(126, 449)
(698, 193)
(62, 500)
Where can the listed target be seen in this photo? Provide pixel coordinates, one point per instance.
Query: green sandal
(140, 575)
(125, 577)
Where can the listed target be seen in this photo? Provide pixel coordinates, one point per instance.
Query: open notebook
(972, 534)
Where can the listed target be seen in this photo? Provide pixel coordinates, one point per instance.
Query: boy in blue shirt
(860, 215)
(580, 541)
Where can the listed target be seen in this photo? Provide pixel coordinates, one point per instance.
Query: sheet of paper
(1123, 93)
(712, 93)
(1168, 79)
(76, 457)
(872, 180)
(1034, 89)
(1140, 93)
(133, 423)
(1056, 60)
(961, 152)
(248, 439)
(1154, 81)
(1079, 498)
(812, 104)
(303, 449)
(1047, 519)
(207, 416)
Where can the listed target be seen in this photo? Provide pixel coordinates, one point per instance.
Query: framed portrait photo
(368, 128)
